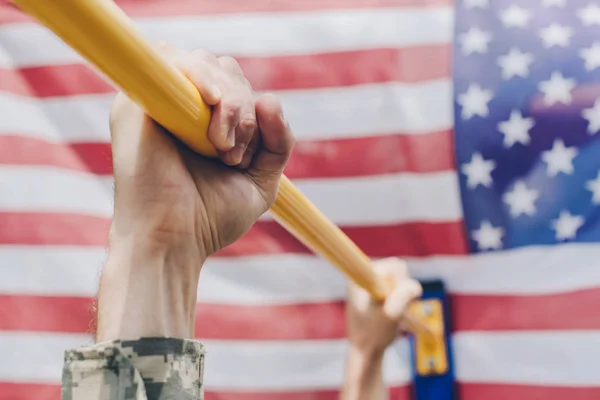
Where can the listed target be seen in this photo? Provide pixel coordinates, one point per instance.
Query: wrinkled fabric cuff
(147, 368)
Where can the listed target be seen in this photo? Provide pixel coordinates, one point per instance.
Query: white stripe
(314, 114)
(256, 34)
(385, 199)
(230, 365)
(552, 358)
(285, 279)
(50, 189)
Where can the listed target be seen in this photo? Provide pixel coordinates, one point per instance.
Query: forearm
(147, 290)
(146, 312)
(364, 377)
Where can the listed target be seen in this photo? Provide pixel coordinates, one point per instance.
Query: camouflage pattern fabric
(144, 369)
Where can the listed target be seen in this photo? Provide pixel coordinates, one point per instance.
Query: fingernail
(237, 153)
(231, 137)
(215, 92)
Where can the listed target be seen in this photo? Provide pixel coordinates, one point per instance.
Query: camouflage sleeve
(148, 368)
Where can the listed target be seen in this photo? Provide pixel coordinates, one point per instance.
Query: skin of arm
(174, 208)
(372, 326)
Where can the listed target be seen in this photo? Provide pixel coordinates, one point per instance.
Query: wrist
(148, 288)
(364, 375)
(366, 357)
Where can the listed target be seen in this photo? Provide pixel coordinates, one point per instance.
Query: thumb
(277, 142)
(397, 301)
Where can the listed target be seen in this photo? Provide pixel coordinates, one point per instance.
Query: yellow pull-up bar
(101, 32)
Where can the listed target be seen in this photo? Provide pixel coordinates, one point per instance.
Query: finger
(397, 301)
(201, 68)
(277, 144)
(204, 70)
(412, 324)
(246, 128)
(251, 150)
(230, 65)
(223, 122)
(391, 268)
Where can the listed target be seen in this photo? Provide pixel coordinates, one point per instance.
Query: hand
(174, 208)
(174, 196)
(372, 325)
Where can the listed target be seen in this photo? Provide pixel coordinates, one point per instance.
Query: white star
(515, 17)
(557, 89)
(590, 15)
(594, 187)
(591, 56)
(474, 41)
(559, 158)
(475, 101)
(478, 171)
(557, 3)
(566, 225)
(487, 236)
(475, 3)
(521, 200)
(516, 129)
(556, 35)
(515, 63)
(593, 117)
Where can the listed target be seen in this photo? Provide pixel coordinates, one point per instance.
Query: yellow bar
(104, 35)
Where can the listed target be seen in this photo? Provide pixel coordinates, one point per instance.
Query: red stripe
(213, 321)
(29, 391)
(90, 157)
(411, 239)
(411, 64)
(573, 310)
(496, 391)
(306, 321)
(467, 391)
(311, 159)
(53, 229)
(165, 8)
(265, 237)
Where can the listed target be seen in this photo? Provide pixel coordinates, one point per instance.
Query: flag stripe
(467, 391)
(559, 358)
(287, 279)
(487, 391)
(501, 357)
(357, 201)
(160, 8)
(501, 313)
(335, 113)
(365, 156)
(23, 391)
(265, 237)
(234, 365)
(409, 64)
(297, 33)
(322, 320)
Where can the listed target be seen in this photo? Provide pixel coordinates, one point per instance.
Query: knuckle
(231, 107)
(203, 56)
(231, 65)
(249, 123)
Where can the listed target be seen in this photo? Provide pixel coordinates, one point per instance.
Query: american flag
(460, 136)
